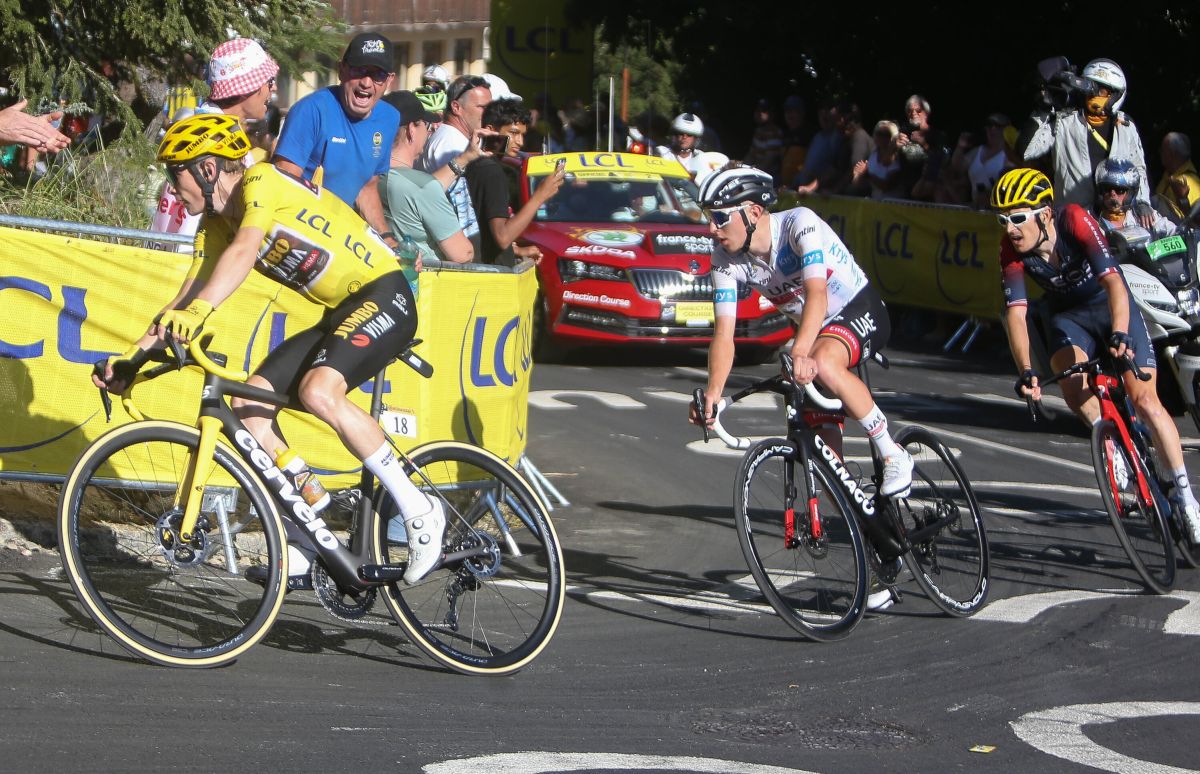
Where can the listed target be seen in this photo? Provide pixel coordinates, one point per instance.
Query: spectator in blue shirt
(345, 131)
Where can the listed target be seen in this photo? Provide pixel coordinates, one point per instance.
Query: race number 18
(402, 422)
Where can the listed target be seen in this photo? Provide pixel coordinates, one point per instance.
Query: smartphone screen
(558, 165)
(495, 143)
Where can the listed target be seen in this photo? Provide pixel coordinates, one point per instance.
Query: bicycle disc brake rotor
(176, 550)
(348, 607)
(487, 564)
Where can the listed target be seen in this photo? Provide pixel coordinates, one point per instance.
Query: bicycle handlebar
(1124, 363)
(783, 384)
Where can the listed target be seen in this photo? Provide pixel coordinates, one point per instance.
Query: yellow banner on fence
(921, 255)
(67, 302)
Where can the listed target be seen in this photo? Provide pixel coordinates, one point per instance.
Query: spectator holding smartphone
(493, 185)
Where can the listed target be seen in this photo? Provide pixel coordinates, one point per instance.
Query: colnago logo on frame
(864, 500)
(313, 523)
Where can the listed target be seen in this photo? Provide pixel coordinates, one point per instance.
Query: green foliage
(652, 74)
(119, 56)
(113, 186)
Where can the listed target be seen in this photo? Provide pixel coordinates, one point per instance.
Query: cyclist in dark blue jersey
(1065, 253)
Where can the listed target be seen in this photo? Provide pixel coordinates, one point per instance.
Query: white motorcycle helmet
(436, 73)
(1108, 73)
(704, 164)
(688, 123)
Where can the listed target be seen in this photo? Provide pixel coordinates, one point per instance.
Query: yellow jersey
(313, 242)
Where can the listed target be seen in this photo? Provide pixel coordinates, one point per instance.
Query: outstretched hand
(18, 127)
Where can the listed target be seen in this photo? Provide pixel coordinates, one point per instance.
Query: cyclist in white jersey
(798, 263)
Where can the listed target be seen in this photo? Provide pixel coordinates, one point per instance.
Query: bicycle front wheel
(813, 572)
(941, 522)
(170, 600)
(1140, 524)
(495, 612)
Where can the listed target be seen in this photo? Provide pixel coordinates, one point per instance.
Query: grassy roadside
(113, 186)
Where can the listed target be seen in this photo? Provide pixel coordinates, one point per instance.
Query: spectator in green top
(414, 203)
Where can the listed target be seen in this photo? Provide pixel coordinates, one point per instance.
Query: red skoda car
(625, 258)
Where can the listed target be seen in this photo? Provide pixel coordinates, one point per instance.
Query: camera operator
(1081, 125)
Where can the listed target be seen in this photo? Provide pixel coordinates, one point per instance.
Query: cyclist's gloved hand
(117, 371)
(1119, 342)
(185, 324)
(1027, 381)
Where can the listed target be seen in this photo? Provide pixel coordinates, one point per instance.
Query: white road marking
(987, 397)
(762, 400)
(1059, 732)
(533, 762)
(1009, 449)
(549, 399)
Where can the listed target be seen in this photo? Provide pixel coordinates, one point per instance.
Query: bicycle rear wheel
(941, 521)
(817, 583)
(491, 614)
(1141, 525)
(168, 600)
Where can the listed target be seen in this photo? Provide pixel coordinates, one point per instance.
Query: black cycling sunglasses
(1119, 190)
(463, 85)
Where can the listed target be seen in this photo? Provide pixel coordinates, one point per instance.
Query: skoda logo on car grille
(694, 267)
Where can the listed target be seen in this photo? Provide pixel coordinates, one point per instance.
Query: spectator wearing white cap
(499, 88)
(344, 131)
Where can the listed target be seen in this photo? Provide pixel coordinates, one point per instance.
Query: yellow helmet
(1022, 188)
(206, 134)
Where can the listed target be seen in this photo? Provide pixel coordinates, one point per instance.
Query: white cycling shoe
(424, 536)
(1190, 511)
(897, 475)
(880, 600)
(1119, 468)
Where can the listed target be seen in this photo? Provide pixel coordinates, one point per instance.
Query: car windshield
(613, 200)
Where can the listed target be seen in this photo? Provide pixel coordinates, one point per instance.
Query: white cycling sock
(384, 465)
(1182, 485)
(875, 423)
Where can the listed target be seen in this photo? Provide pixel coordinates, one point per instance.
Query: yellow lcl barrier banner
(930, 257)
(66, 302)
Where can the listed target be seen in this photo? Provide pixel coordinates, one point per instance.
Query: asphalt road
(665, 659)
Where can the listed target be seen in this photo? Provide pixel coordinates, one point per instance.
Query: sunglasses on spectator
(1017, 218)
(463, 86)
(376, 74)
(271, 82)
(1119, 190)
(721, 218)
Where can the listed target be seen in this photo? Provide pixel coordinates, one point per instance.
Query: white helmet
(704, 164)
(436, 73)
(688, 123)
(1107, 73)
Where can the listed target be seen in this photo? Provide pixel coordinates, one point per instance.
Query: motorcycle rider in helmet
(686, 131)
(1116, 182)
(1090, 129)
(1063, 251)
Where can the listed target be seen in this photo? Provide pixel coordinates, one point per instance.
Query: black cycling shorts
(863, 325)
(356, 338)
(1089, 326)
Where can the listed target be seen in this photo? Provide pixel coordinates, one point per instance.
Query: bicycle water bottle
(303, 479)
(407, 253)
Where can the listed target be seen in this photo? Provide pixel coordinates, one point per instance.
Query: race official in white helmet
(684, 147)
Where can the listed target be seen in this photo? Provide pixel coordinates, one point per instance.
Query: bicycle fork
(789, 510)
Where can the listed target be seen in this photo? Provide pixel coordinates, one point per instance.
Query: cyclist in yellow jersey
(312, 242)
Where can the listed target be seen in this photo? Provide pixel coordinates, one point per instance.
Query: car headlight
(574, 270)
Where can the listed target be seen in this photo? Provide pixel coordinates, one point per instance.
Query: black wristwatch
(456, 169)
(388, 235)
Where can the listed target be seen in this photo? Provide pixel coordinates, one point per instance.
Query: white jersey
(803, 246)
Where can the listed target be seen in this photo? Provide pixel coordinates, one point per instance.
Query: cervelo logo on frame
(300, 509)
